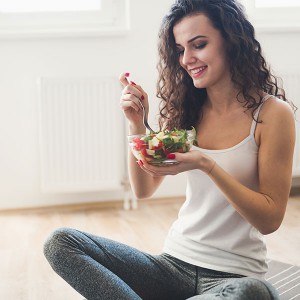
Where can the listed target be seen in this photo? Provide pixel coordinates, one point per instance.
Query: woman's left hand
(186, 161)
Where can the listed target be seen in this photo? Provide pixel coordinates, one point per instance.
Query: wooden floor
(25, 274)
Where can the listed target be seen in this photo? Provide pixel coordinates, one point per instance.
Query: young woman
(212, 76)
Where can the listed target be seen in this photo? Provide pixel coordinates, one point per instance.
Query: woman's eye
(200, 46)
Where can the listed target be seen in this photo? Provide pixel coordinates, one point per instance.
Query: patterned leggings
(99, 268)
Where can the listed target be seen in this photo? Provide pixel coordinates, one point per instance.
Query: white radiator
(291, 83)
(82, 140)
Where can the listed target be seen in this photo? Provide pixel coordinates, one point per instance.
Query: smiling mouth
(198, 70)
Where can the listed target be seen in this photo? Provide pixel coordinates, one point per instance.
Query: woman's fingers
(132, 95)
(123, 78)
(134, 90)
(157, 170)
(144, 94)
(129, 101)
(131, 87)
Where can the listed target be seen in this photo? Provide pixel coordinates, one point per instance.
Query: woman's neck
(223, 100)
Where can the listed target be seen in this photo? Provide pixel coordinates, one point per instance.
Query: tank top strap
(256, 115)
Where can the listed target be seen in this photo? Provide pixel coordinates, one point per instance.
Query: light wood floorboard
(25, 274)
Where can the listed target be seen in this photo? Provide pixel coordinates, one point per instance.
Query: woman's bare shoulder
(275, 109)
(276, 118)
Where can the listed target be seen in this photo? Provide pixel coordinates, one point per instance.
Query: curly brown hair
(181, 102)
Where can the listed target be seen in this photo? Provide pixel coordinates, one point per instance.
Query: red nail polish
(141, 163)
(127, 74)
(132, 82)
(171, 156)
(142, 97)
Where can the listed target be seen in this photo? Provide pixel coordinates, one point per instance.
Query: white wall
(22, 61)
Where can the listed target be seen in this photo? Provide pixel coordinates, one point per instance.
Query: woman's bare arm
(265, 209)
(143, 184)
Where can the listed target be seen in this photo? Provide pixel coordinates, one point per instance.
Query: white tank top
(209, 232)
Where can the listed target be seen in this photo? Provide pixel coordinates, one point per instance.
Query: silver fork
(145, 120)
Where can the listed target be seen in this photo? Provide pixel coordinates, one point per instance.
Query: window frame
(112, 19)
(266, 18)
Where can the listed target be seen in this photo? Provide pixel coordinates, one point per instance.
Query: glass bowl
(154, 147)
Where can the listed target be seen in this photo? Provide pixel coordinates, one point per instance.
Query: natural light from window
(23, 6)
(277, 3)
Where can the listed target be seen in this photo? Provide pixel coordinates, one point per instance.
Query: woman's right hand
(130, 104)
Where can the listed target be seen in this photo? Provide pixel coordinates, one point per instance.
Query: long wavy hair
(181, 102)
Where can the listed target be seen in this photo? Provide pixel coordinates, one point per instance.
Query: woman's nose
(188, 57)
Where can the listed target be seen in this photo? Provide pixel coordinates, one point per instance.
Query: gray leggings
(99, 268)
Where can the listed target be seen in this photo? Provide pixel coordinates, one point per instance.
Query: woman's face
(202, 51)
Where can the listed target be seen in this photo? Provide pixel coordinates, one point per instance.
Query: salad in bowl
(154, 147)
